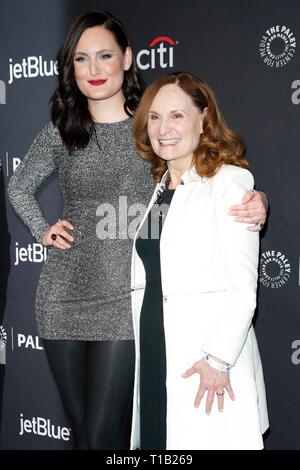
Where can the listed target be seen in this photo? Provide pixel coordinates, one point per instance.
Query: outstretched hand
(213, 381)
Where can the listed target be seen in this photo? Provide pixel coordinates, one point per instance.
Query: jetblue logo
(43, 427)
(32, 67)
(33, 253)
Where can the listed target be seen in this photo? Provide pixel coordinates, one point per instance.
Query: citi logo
(32, 67)
(34, 253)
(44, 428)
(161, 55)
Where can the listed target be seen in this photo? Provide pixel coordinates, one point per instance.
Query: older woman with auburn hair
(198, 379)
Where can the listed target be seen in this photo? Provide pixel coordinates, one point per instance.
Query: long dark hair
(69, 110)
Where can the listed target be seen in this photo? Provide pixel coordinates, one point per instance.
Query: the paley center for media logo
(275, 269)
(277, 46)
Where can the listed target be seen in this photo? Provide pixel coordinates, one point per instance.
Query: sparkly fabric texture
(84, 292)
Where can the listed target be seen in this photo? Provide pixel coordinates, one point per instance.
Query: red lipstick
(96, 82)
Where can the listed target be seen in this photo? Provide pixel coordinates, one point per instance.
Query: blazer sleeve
(36, 167)
(239, 251)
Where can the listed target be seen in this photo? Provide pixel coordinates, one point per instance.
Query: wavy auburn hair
(69, 111)
(218, 145)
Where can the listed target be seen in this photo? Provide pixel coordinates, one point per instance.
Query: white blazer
(209, 280)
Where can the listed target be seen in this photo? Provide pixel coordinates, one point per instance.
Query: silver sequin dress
(84, 292)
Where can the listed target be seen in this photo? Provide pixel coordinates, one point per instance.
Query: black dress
(153, 397)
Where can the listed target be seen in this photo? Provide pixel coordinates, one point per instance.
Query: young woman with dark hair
(83, 305)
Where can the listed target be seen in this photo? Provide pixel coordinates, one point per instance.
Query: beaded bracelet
(217, 365)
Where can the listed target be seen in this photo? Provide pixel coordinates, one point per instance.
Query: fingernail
(221, 410)
(208, 412)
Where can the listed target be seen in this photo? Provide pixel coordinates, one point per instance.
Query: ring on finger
(53, 236)
(259, 224)
(220, 394)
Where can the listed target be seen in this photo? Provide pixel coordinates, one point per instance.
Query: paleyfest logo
(277, 46)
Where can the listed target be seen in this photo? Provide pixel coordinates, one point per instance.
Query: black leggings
(95, 381)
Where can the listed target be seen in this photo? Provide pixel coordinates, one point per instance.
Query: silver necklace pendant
(162, 189)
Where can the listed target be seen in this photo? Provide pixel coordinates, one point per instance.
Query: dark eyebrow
(101, 51)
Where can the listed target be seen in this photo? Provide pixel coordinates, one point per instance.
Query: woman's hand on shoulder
(253, 210)
(58, 236)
